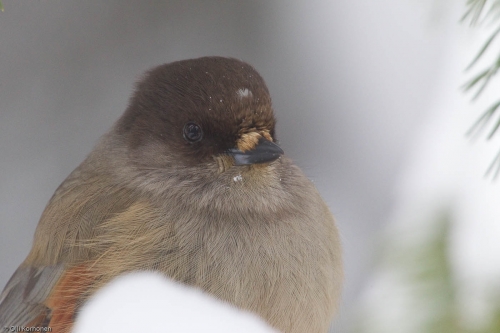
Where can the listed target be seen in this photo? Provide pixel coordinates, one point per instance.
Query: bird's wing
(22, 300)
(42, 297)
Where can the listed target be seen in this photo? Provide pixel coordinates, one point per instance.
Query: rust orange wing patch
(46, 296)
(67, 296)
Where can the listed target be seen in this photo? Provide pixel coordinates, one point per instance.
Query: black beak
(265, 151)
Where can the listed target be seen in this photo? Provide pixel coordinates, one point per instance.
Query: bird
(189, 182)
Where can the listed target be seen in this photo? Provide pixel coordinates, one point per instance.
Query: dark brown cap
(222, 99)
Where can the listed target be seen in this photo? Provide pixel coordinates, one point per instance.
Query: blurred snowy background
(368, 100)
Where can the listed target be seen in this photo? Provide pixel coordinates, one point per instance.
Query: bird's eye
(192, 132)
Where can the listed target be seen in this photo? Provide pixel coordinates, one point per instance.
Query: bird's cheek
(224, 162)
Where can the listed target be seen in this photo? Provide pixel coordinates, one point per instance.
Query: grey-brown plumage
(188, 182)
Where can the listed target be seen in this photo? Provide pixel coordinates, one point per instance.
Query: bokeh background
(368, 100)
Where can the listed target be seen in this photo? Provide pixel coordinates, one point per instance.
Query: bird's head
(201, 112)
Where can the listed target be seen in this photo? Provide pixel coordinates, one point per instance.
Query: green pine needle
(478, 11)
(484, 48)
(474, 11)
(496, 162)
(484, 119)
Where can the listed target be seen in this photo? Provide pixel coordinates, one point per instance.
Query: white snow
(244, 92)
(148, 302)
